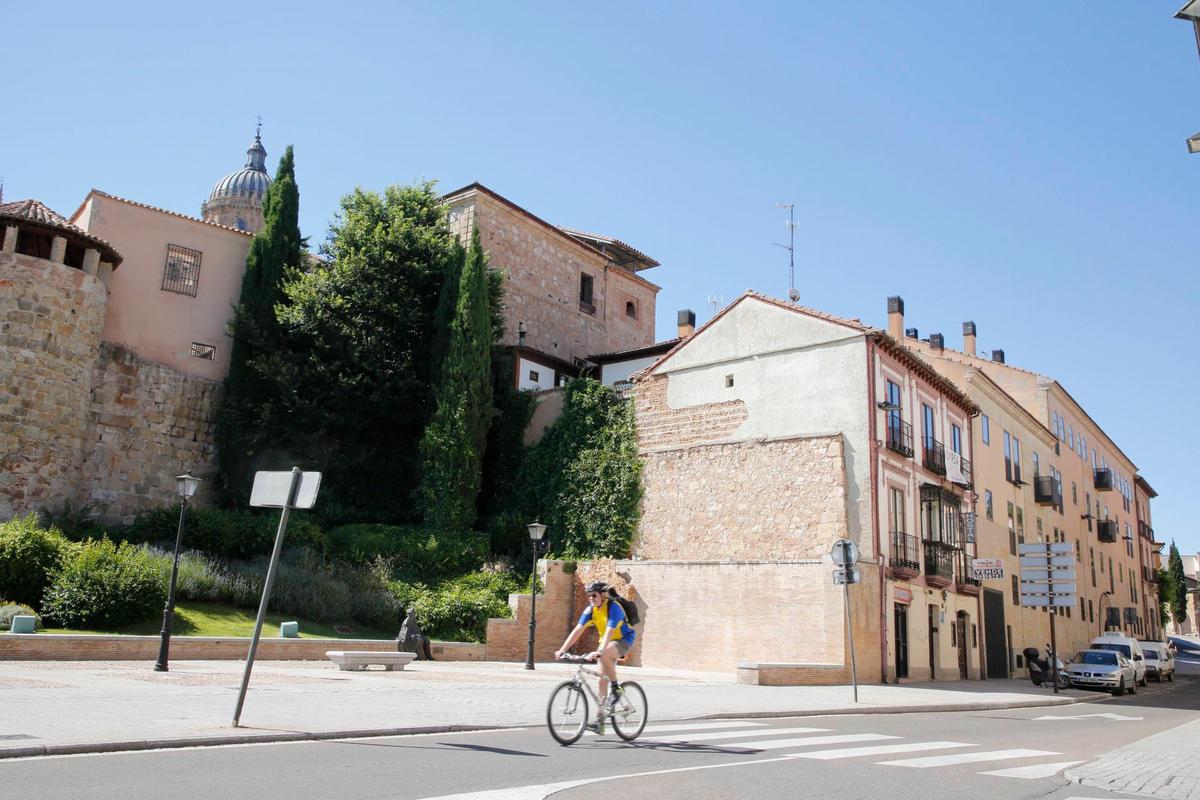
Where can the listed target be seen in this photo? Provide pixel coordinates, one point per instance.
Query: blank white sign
(271, 489)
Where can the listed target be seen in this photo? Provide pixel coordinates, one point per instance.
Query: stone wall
(148, 423)
(659, 425)
(50, 321)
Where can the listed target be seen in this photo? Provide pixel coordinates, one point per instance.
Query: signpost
(845, 555)
(286, 490)
(1048, 581)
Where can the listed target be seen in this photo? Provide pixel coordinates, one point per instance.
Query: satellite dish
(793, 295)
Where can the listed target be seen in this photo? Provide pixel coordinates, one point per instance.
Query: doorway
(933, 648)
(901, 629)
(964, 647)
(995, 640)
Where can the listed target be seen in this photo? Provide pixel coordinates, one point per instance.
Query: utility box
(23, 623)
(289, 630)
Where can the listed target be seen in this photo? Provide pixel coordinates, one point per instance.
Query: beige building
(567, 293)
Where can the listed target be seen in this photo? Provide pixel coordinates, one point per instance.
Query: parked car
(1160, 660)
(1102, 669)
(1118, 642)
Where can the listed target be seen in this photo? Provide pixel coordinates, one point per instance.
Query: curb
(136, 745)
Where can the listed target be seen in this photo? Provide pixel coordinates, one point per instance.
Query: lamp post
(185, 486)
(1103, 622)
(536, 533)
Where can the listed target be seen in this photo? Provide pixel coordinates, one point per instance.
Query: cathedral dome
(237, 198)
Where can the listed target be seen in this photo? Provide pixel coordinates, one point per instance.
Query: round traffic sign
(844, 553)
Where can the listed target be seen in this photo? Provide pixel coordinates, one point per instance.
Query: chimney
(937, 341)
(686, 320)
(895, 316)
(998, 356)
(911, 333)
(969, 338)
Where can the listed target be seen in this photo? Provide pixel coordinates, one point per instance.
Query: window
(1036, 466)
(1074, 494)
(1012, 530)
(1008, 473)
(533, 375)
(896, 510)
(987, 502)
(927, 420)
(956, 438)
(631, 309)
(893, 414)
(1016, 459)
(585, 293)
(1071, 436)
(1092, 561)
(1091, 615)
(1016, 592)
(207, 352)
(728, 381)
(1020, 525)
(181, 273)
(987, 430)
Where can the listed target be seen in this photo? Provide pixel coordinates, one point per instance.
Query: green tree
(242, 427)
(456, 437)
(353, 376)
(1164, 597)
(1177, 585)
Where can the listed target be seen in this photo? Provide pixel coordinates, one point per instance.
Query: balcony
(904, 561)
(935, 456)
(1148, 575)
(899, 437)
(939, 563)
(1106, 530)
(1103, 480)
(1046, 491)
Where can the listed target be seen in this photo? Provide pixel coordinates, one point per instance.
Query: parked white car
(1118, 642)
(1102, 669)
(1160, 661)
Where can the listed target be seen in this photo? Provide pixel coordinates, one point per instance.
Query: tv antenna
(792, 294)
(715, 301)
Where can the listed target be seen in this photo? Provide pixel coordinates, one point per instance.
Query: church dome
(237, 198)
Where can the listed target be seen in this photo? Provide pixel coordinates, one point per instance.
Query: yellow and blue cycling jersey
(609, 614)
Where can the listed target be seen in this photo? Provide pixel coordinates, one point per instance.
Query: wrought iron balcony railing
(904, 551)
(939, 560)
(935, 456)
(1046, 491)
(899, 437)
(1103, 480)
(1106, 530)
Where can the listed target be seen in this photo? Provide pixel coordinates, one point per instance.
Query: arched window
(631, 309)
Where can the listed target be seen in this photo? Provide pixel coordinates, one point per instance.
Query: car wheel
(1171, 676)
(1142, 682)
(1158, 677)
(1133, 686)
(1120, 690)
(1037, 683)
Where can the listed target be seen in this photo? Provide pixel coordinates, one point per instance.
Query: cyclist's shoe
(614, 698)
(594, 727)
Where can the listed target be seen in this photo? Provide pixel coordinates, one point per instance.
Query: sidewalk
(61, 707)
(1165, 765)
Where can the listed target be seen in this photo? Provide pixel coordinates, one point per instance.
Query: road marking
(777, 744)
(1033, 771)
(1106, 715)
(881, 749)
(710, 726)
(708, 737)
(966, 758)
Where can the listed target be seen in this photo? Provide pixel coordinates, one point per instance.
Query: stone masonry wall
(50, 322)
(149, 423)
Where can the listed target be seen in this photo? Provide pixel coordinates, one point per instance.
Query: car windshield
(1150, 653)
(1094, 657)
(1123, 649)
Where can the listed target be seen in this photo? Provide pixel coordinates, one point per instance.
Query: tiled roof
(633, 352)
(615, 244)
(36, 213)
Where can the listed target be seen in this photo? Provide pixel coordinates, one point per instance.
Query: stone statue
(411, 640)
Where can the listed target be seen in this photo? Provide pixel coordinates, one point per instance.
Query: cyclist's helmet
(597, 586)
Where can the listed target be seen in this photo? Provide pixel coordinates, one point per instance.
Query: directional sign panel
(842, 576)
(1042, 548)
(1062, 576)
(1058, 601)
(271, 489)
(1059, 589)
(1043, 562)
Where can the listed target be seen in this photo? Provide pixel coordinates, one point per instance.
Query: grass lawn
(212, 619)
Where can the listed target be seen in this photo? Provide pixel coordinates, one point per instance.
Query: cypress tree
(456, 437)
(277, 248)
(1176, 586)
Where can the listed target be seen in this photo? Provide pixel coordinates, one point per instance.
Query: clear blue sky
(1019, 164)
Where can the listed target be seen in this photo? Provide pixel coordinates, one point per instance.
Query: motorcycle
(1039, 668)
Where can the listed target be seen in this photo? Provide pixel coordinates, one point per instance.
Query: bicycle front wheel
(629, 716)
(567, 713)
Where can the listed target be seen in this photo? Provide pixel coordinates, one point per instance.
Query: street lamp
(185, 486)
(1103, 622)
(539, 545)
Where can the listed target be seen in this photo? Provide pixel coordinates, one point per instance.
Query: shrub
(74, 523)
(222, 532)
(29, 556)
(104, 585)
(458, 609)
(417, 554)
(9, 610)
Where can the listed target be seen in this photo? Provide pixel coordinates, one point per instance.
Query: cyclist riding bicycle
(616, 637)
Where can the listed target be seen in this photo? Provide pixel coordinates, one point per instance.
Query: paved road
(998, 754)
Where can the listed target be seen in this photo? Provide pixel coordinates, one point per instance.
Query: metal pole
(262, 606)
(1053, 614)
(532, 609)
(848, 568)
(164, 646)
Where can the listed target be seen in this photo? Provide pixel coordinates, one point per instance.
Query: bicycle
(567, 712)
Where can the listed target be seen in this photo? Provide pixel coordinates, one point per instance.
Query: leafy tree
(352, 378)
(241, 426)
(454, 441)
(1177, 586)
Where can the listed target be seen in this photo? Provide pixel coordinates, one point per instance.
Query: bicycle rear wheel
(629, 717)
(567, 713)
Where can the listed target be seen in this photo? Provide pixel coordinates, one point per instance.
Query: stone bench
(353, 660)
(761, 673)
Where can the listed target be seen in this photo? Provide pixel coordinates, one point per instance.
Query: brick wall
(508, 639)
(57, 647)
(659, 425)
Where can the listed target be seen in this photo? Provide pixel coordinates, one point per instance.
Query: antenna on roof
(1, 188)
(792, 294)
(715, 301)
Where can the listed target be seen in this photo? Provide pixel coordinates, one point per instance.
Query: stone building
(236, 201)
(567, 293)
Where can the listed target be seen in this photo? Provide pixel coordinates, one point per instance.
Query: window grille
(206, 351)
(181, 273)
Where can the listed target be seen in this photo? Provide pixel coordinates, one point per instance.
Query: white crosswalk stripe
(955, 759)
(880, 750)
(731, 735)
(808, 741)
(708, 726)
(1033, 771)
